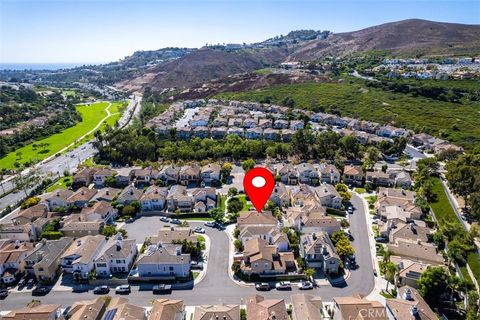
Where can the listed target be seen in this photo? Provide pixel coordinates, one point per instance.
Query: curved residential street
(217, 286)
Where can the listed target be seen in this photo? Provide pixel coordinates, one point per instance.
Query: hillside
(407, 37)
(204, 65)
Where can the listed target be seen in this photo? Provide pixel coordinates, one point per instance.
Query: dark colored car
(162, 289)
(175, 221)
(40, 291)
(3, 293)
(30, 283)
(350, 210)
(101, 290)
(381, 240)
(22, 282)
(262, 286)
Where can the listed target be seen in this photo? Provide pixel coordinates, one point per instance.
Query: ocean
(41, 66)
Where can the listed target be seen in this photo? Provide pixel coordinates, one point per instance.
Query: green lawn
(222, 200)
(351, 97)
(91, 115)
(60, 184)
(360, 190)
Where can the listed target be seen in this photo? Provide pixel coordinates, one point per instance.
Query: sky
(95, 31)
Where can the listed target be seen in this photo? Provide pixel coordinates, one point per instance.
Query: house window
(170, 268)
(40, 269)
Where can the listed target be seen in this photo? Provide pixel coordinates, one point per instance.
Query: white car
(199, 230)
(283, 285)
(305, 285)
(123, 289)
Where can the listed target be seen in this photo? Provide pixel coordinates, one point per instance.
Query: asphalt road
(67, 161)
(217, 287)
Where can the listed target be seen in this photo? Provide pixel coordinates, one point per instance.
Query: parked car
(162, 288)
(219, 226)
(350, 209)
(30, 283)
(123, 289)
(381, 240)
(283, 285)
(22, 282)
(196, 265)
(262, 286)
(199, 230)
(129, 220)
(210, 224)
(3, 293)
(164, 219)
(305, 285)
(101, 290)
(350, 237)
(40, 291)
(175, 221)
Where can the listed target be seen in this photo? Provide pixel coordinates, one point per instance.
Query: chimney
(79, 242)
(172, 228)
(178, 251)
(414, 311)
(118, 242)
(314, 236)
(107, 192)
(408, 295)
(17, 244)
(58, 193)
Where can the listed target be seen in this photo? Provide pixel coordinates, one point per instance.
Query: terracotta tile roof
(306, 306)
(259, 308)
(166, 309)
(410, 306)
(213, 312)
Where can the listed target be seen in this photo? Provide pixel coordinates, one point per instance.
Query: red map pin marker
(259, 184)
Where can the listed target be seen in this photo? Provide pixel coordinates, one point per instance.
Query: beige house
(417, 251)
(213, 312)
(80, 255)
(261, 258)
(309, 221)
(34, 310)
(357, 307)
(254, 218)
(86, 310)
(409, 305)
(166, 309)
(318, 251)
(259, 308)
(44, 261)
(31, 214)
(353, 175)
(305, 306)
(172, 234)
(120, 309)
(409, 271)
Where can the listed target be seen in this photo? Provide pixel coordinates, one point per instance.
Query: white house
(164, 261)
(79, 257)
(329, 196)
(154, 198)
(117, 256)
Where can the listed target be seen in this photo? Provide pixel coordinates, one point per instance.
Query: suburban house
(409, 304)
(34, 310)
(296, 125)
(308, 221)
(259, 308)
(280, 196)
(44, 261)
(213, 312)
(102, 211)
(262, 258)
(83, 177)
(356, 307)
(307, 174)
(254, 218)
(21, 232)
(305, 306)
(31, 214)
(154, 198)
(77, 226)
(123, 176)
(271, 134)
(271, 234)
(80, 255)
(210, 173)
(86, 309)
(329, 174)
(353, 175)
(162, 260)
(58, 198)
(409, 271)
(169, 174)
(301, 195)
(397, 204)
(167, 309)
(189, 174)
(81, 197)
(144, 176)
(178, 199)
(116, 256)
(329, 196)
(100, 176)
(120, 309)
(281, 124)
(319, 252)
(11, 259)
(129, 194)
(288, 174)
(417, 251)
(403, 180)
(379, 178)
(106, 194)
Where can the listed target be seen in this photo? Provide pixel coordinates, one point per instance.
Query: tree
(232, 192)
(109, 231)
(30, 202)
(128, 210)
(110, 182)
(236, 267)
(236, 233)
(226, 171)
(248, 164)
(343, 192)
(474, 201)
(344, 248)
(432, 283)
(238, 245)
(310, 272)
(234, 205)
(217, 214)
